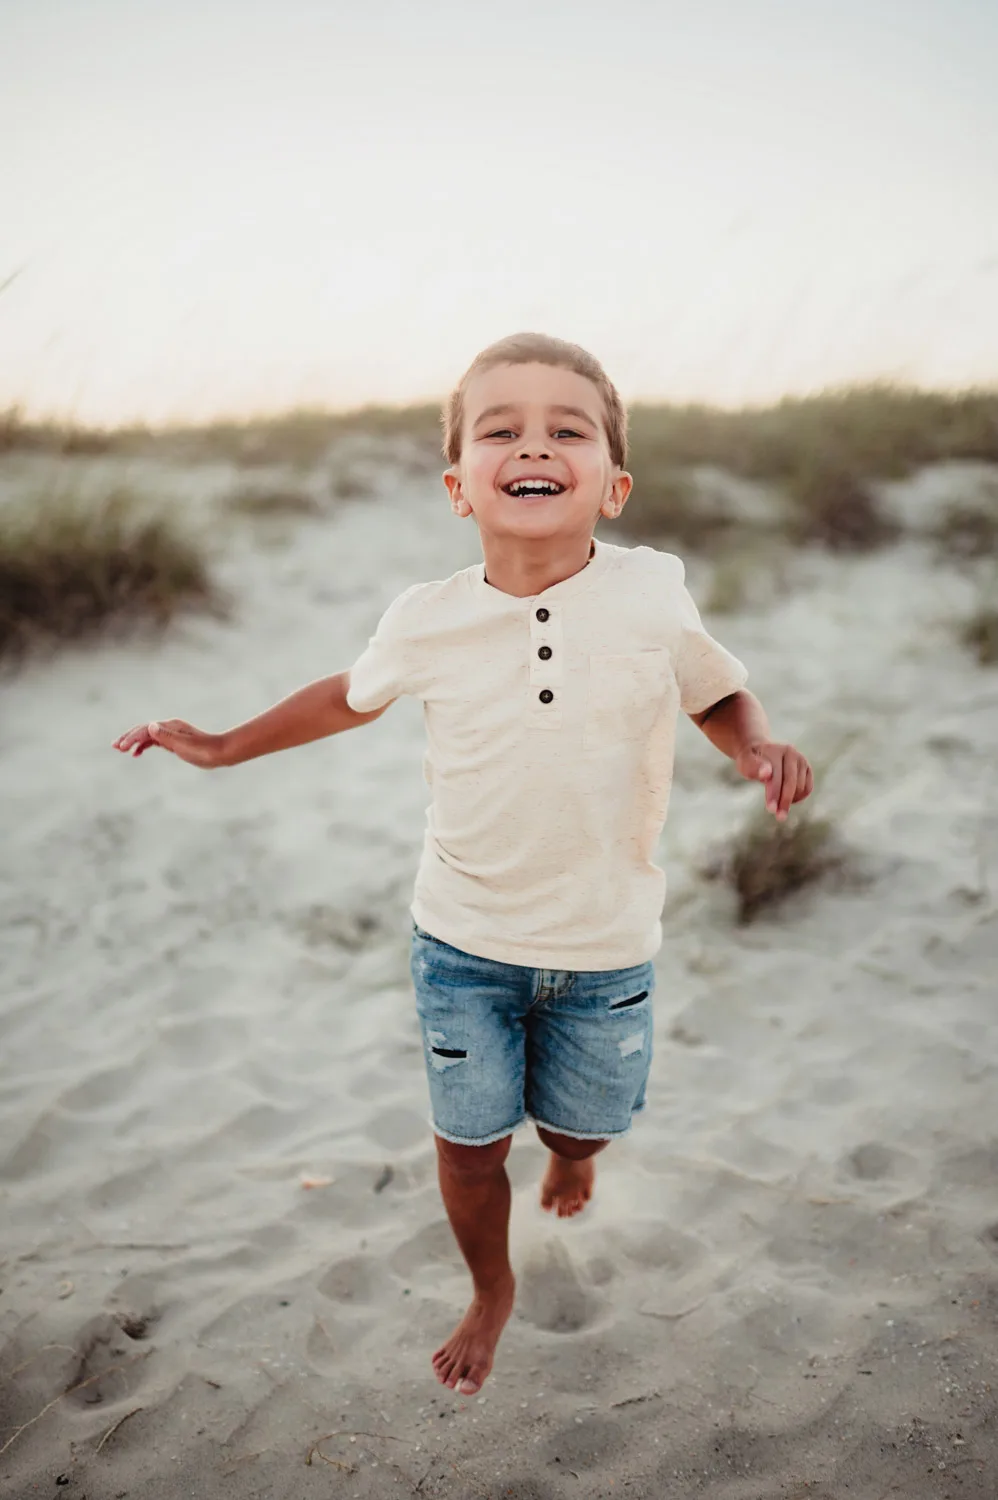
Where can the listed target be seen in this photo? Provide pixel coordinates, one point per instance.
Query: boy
(551, 675)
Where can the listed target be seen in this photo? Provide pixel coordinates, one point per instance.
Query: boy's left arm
(738, 726)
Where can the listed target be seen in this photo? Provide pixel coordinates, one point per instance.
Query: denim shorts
(505, 1043)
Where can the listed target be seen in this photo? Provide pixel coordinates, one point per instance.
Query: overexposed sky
(216, 206)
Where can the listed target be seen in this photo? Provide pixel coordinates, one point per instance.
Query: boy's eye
(567, 432)
(501, 432)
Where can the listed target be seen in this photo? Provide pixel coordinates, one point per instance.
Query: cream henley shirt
(550, 724)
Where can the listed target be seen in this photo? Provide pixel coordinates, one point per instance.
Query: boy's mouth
(527, 489)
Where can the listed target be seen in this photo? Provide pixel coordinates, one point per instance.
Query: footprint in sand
(353, 1279)
(431, 1247)
(659, 1247)
(873, 1162)
(551, 1293)
(989, 1234)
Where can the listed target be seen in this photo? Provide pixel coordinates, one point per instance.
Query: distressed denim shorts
(505, 1043)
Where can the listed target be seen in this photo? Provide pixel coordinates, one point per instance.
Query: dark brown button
(544, 652)
(546, 695)
(543, 614)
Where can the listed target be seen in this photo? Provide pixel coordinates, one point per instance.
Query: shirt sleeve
(381, 672)
(705, 671)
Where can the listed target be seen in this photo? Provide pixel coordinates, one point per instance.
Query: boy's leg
(589, 1048)
(568, 1181)
(471, 1013)
(476, 1194)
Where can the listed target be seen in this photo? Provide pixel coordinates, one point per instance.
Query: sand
(787, 1282)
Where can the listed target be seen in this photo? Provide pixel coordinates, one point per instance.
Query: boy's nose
(539, 449)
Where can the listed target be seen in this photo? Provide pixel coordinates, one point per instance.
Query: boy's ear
(455, 490)
(617, 498)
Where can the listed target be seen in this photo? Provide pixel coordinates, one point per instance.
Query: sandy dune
(787, 1283)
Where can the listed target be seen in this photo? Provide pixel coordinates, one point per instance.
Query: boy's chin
(539, 525)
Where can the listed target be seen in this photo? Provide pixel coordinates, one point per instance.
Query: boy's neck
(522, 568)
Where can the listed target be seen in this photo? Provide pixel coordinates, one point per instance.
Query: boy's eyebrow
(576, 411)
(566, 411)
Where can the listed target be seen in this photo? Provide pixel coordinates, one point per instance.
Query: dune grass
(264, 502)
(823, 450)
(70, 565)
(19, 435)
(878, 430)
(304, 438)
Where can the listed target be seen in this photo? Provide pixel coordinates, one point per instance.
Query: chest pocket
(626, 695)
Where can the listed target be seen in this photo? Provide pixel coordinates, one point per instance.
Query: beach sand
(787, 1282)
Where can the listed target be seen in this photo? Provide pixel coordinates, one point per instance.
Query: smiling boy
(552, 675)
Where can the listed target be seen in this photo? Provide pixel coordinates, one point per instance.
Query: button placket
(547, 674)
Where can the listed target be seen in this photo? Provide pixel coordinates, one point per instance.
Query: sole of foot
(567, 1186)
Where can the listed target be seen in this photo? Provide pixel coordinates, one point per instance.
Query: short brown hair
(538, 349)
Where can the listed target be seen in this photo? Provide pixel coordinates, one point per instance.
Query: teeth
(535, 487)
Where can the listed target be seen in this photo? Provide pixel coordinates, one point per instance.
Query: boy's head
(536, 437)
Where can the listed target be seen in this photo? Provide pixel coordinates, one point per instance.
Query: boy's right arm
(312, 713)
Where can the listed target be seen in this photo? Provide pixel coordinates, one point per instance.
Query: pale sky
(228, 206)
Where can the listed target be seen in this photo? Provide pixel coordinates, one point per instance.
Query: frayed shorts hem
(525, 1119)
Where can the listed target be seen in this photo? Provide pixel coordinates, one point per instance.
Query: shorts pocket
(627, 692)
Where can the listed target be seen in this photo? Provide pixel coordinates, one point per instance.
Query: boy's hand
(787, 776)
(190, 744)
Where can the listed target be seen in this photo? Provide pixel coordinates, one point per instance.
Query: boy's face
(537, 423)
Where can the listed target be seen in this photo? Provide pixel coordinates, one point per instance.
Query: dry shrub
(979, 633)
(264, 503)
(70, 565)
(837, 510)
(351, 484)
(968, 530)
(768, 861)
(667, 504)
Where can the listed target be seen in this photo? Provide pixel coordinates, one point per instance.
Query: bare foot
(567, 1185)
(464, 1361)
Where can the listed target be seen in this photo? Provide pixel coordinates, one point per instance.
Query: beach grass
(877, 431)
(71, 564)
(262, 502)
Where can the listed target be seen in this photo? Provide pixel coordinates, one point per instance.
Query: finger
(805, 783)
(168, 732)
(774, 784)
(789, 787)
(129, 738)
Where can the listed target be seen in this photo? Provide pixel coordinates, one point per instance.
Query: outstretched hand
(785, 773)
(181, 739)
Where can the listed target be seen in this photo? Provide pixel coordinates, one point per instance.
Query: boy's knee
(470, 1162)
(568, 1147)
